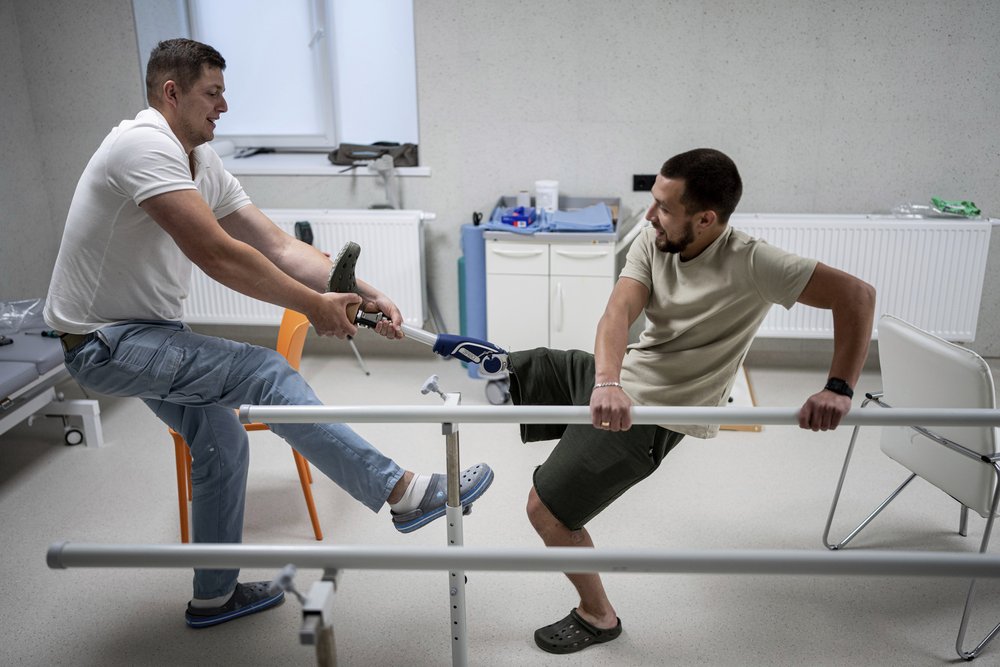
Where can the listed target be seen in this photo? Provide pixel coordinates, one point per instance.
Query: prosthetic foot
(491, 358)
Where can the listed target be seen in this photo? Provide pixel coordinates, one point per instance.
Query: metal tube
(459, 631)
(419, 335)
(63, 555)
(545, 414)
(454, 469)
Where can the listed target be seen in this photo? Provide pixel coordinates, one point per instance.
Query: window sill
(303, 164)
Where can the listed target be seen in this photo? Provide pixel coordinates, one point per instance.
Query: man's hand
(610, 409)
(391, 325)
(823, 411)
(330, 317)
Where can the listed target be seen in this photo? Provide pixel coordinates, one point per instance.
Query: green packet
(966, 208)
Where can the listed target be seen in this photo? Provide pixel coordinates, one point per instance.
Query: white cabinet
(547, 293)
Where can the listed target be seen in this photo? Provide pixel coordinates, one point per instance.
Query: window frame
(165, 19)
(323, 71)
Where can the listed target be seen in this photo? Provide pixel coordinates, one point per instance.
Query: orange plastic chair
(291, 340)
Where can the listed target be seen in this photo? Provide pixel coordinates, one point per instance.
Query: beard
(680, 245)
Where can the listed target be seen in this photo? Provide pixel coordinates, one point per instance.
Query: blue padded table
(30, 368)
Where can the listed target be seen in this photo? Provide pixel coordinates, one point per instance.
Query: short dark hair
(180, 60)
(711, 181)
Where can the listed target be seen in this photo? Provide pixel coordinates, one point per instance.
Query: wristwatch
(838, 386)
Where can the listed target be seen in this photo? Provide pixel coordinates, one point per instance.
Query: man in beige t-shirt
(704, 288)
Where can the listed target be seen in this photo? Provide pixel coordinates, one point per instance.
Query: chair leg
(357, 354)
(836, 499)
(966, 613)
(187, 471)
(181, 455)
(840, 486)
(305, 478)
(963, 521)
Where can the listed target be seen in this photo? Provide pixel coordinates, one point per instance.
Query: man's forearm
(249, 272)
(609, 349)
(852, 326)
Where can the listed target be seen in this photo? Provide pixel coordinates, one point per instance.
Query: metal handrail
(63, 555)
(565, 414)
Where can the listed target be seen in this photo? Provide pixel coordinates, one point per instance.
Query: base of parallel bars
(456, 593)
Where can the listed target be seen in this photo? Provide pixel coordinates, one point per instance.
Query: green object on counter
(966, 208)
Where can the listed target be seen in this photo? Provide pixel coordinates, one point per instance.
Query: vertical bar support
(453, 513)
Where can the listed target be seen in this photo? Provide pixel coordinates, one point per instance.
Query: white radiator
(927, 272)
(392, 260)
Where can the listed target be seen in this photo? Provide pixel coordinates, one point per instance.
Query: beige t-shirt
(702, 316)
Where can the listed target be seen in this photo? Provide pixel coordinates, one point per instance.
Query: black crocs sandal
(246, 599)
(573, 634)
(342, 274)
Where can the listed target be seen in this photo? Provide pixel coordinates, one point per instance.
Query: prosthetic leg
(491, 358)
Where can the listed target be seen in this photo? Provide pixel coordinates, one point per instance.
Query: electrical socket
(643, 182)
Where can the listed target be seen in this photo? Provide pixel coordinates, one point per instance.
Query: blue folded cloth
(595, 218)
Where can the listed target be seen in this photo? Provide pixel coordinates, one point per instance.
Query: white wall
(26, 222)
(73, 68)
(845, 107)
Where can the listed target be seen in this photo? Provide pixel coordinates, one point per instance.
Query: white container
(524, 199)
(547, 195)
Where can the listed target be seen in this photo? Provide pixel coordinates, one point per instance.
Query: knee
(219, 461)
(538, 514)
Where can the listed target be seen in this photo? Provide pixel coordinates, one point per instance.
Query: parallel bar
(63, 555)
(544, 414)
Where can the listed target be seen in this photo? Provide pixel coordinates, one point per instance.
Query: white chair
(920, 370)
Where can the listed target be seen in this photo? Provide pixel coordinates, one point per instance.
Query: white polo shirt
(115, 263)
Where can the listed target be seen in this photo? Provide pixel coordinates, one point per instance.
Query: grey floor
(766, 490)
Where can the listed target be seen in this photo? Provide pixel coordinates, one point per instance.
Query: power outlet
(643, 182)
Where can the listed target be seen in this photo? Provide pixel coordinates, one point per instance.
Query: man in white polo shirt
(153, 199)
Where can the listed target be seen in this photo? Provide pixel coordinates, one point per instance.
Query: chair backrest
(920, 370)
(292, 337)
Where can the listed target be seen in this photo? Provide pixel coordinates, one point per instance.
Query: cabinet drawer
(517, 258)
(579, 259)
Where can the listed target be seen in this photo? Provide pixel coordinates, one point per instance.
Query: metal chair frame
(992, 460)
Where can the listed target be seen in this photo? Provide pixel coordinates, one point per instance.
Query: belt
(72, 341)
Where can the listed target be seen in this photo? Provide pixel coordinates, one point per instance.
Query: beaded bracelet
(608, 384)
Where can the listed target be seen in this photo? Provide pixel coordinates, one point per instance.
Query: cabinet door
(576, 305)
(517, 310)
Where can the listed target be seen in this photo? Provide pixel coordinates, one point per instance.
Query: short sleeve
(223, 191)
(144, 162)
(639, 261)
(780, 276)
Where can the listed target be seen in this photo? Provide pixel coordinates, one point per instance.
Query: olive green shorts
(589, 468)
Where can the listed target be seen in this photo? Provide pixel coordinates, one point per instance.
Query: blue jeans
(193, 383)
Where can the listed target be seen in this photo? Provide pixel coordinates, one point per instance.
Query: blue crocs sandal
(573, 634)
(246, 599)
(473, 483)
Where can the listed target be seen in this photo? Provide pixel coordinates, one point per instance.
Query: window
(301, 74)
